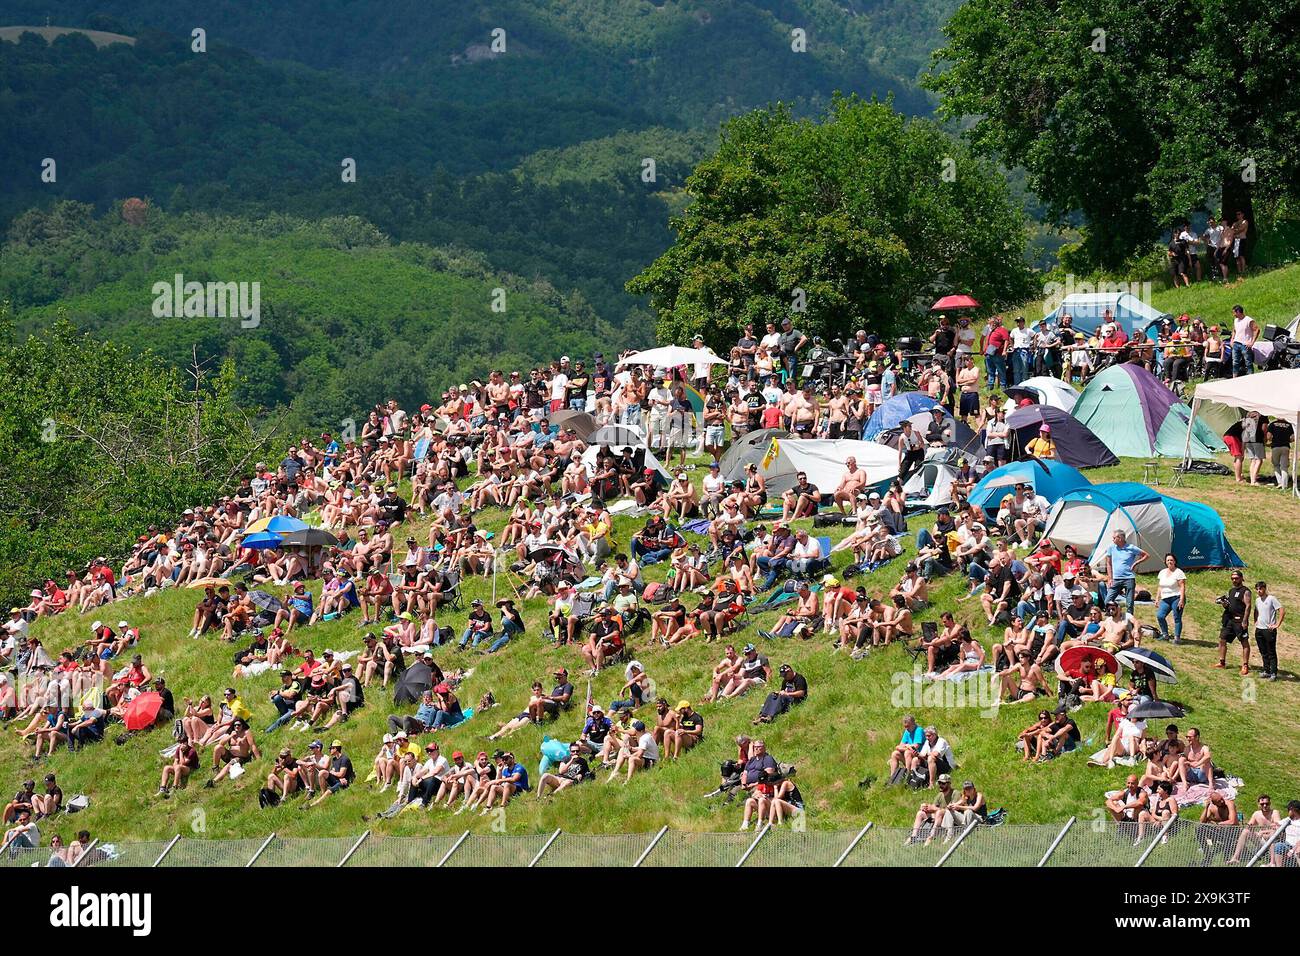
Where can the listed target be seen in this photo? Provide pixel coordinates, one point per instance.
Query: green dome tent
(1132, 411)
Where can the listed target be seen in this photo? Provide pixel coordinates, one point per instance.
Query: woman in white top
(996, 435)
(1172, 596)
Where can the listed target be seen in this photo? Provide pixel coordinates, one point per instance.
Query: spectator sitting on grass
(930, 813)
(934, 756)
(794, 690)
(569, 773)
(805, 614)
(639, 752)
(1258, 828)
(908, 745)
(759, 778)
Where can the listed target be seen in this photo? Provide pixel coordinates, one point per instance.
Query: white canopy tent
(823, 462)
(672, 356)
(1275, 394)
(1044, 390)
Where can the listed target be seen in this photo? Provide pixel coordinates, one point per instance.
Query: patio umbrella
(141, 712)
(953, 303)
(264, 602)
(261, 540)
(581, 422)
(671, 356)
(1156, 663)
(1156, 710)
(309, 538)
(1070, 663)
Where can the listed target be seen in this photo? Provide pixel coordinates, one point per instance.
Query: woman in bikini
(970, 657)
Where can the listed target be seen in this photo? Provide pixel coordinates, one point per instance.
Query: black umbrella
(264, 602)
(309, 538)
(415, 680)
(1156, 710)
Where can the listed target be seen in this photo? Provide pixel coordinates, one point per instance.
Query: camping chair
(929, 631)
(451, 589)
(818, 564)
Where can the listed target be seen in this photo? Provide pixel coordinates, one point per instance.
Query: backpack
(267, 797)
(919, 778)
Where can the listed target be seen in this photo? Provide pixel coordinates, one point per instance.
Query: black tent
(1076, 445)
(415, 680)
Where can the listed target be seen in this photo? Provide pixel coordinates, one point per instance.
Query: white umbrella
(671, 356)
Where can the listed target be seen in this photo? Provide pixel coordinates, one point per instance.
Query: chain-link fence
(1094, 843)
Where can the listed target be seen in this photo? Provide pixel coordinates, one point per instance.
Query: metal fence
(1180, 843)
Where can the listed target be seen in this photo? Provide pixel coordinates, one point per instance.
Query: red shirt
(998, 340)
(105, 574)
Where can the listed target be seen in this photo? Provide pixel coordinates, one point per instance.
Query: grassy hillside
(844, 731)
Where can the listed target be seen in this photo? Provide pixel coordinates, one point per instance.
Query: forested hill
(695, 60)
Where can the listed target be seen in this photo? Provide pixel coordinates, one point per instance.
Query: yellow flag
(773, 450)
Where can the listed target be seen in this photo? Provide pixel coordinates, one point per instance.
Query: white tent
(589, 459)
(931, 487)
(1275, 394)
(672, 356)
(823, 462)
(1045, 390)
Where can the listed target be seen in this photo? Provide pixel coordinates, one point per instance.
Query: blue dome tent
(1051, 479)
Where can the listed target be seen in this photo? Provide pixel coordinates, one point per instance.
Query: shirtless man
(850, 486)
(807, 610)
(1197, 765)
(1022, 680)
(968, 381)
(1261, 823)
(804, 413)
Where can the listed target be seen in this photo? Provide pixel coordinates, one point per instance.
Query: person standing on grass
(1280, 436)
(1245, 331)
(1236, 615)
(1121, 560)
(1269, 615)
(1172, 595)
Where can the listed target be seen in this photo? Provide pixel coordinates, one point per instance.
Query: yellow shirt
(1042, 448)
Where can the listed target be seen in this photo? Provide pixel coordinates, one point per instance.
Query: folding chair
(451, 589)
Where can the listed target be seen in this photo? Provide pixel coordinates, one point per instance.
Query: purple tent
(1076, 445)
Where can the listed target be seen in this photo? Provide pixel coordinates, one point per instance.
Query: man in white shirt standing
(1022, 350)
(660, 400)
(1269, 615)
(1245, 331)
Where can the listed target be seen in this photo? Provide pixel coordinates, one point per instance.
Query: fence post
(447, 856)
(542, 851)
(1148, 851)
(167, 849)
(85, 856)
(761, 833)
(957, 842)
(356, 846)
(653, 843)
(260, 850)
(852, 846)
(1267, 843)
(1057, 842)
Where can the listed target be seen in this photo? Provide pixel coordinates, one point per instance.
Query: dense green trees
(869, 214)
(99, 441)
(1134, 111)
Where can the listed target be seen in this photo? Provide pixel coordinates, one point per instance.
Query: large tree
(1135, 112)
(856, 220)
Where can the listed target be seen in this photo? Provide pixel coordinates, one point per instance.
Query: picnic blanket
(984, 670)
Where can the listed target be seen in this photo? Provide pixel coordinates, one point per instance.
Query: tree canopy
(1136, 112)
(860, 218)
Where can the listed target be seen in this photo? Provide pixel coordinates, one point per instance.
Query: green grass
(844, 731)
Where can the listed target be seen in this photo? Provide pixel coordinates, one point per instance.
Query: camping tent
(1087, 309)
(1276, 394)
(931, 486)
(750, 447)
(1043, 390)
(965, 441)
(617, 435)
(823, 461)
(1076, 445)
(1138, 417)
(589, 459)
(1156, 523)
(893, 410)
(415, 680)
(1051, 479)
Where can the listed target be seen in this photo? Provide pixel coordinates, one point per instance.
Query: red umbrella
(1070, 662)
(952, 303)
(142, 711)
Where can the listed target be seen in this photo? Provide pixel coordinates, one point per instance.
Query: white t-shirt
(770, 341)
(1169, 582)
(647, 743)
(965, 340)
(1022, 338)
(1266, 612)
(559, 385)
(713, 483)
(939, 748)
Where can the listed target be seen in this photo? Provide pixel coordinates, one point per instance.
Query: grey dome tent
(748, 448)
